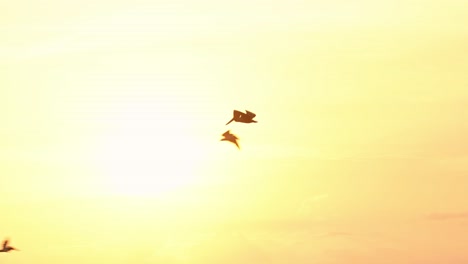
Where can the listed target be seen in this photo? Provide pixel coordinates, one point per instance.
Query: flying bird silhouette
(246, 117)
(230, 137)
(6, 247)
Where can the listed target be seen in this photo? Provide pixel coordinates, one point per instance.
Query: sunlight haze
(112, 114)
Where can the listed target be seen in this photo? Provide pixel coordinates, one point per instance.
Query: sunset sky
(112, 114)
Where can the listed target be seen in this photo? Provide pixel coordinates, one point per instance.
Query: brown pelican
(246, 117)
(6, 247)
(230, 137)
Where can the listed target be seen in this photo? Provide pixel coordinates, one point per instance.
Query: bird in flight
(230, 137)
(6, 247)
(246, 117)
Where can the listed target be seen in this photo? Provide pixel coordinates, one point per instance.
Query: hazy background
(111, 114)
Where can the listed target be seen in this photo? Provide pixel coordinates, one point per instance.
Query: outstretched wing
(233, 139)
(237, 113)
(250, 113)
(226, 133)
(235, 142)
(5, 243)
(230, 135)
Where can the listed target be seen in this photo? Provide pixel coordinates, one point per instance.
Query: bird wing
(5, 243)
(228, 134)
(237, 113)
(233, 140)
(250, 113)
(237, 144)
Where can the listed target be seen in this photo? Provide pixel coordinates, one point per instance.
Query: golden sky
(112, 112)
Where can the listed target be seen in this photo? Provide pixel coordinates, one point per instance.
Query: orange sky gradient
(112, 114)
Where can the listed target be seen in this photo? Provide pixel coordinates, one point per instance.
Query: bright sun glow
(148, 157)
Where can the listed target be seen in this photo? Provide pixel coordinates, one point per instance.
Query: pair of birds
(6, 247)
(241, 117)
